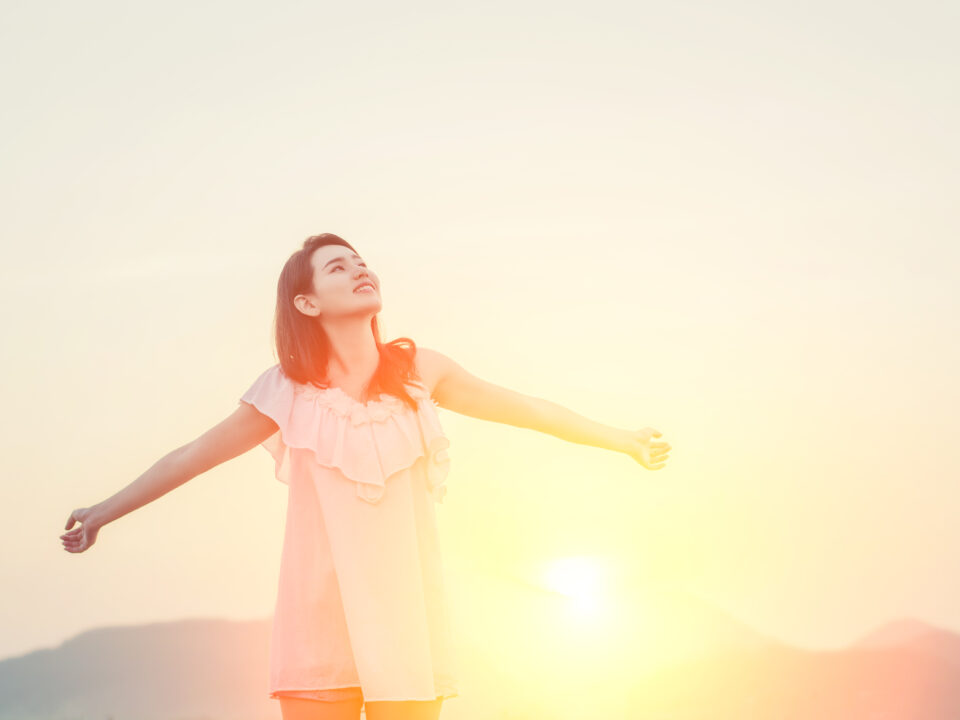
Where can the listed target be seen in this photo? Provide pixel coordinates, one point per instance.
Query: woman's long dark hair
(303, 348)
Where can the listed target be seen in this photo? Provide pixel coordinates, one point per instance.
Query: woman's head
(320, 284)
(341, 284)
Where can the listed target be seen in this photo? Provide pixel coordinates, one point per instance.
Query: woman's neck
(353, 349)
(354, 356)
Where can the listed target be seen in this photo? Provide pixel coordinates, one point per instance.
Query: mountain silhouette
(904, 670)
(678, 658)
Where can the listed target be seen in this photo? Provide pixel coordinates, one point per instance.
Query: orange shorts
(329, 695)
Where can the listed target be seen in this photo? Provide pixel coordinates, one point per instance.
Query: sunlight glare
(581, 579)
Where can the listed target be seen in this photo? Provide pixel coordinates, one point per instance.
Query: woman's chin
(372, 308)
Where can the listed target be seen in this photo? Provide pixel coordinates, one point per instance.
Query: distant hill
(187, 669)
(693, 662)
(904, 670)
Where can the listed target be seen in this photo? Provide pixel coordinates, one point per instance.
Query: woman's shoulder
(431, 366)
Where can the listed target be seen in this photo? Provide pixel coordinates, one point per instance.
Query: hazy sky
(734, 222)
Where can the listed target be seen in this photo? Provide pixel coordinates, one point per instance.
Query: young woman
(361, 616)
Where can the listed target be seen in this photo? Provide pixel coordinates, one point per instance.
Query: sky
(735, 223)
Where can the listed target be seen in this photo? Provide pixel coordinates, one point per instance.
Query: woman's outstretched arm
(244, 429)
(458, 390)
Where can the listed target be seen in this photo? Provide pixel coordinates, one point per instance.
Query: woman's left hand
(639, 445)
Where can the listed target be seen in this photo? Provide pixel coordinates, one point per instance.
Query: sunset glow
(583, 579)
(734, 224)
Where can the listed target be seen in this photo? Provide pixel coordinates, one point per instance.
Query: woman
(361, 615)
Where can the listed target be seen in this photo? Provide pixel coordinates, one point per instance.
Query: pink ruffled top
(361, 600)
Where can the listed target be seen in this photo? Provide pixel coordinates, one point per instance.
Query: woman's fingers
(657, 460)
(651, 454)
(75, 540)
(71, 538)
(80, 537)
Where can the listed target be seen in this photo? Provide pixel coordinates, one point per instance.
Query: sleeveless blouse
(361, 600)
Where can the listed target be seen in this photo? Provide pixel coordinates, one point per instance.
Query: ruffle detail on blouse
(366, 442)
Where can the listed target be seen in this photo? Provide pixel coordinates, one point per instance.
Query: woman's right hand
(242, 430)
(82, 536)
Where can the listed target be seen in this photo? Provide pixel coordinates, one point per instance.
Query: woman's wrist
(99, 515)
(620, 440)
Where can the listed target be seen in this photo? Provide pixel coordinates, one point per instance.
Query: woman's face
(338, 274)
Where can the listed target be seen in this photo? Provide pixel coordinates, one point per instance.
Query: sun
(582, 579)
